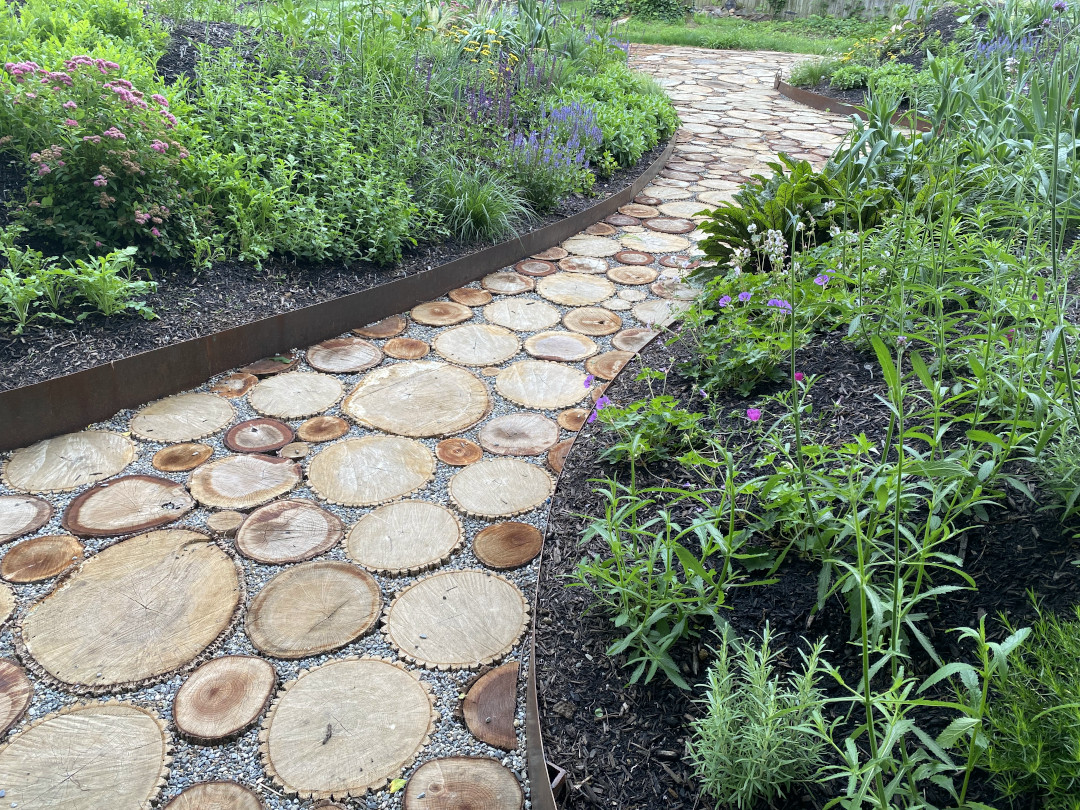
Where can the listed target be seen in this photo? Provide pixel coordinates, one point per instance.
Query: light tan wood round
(234, 385)
(16, 691)
(633, 296)
(615, 304)
(458, 452)
(490, 707)
(313, 608)
(346, 727)
(507, 545)
(625, 274)
(675, 290)
(215, 796)
(134, 613)
(659, 312)
(296, 395)
(552, 254)
(223, 697)
(670, 225)
(477, 344)
(7, 603)
(69, 461)
(518, 434)
(507, 283)
(470, 296)
(404, 537)
(295, 450)
(182, 418)
(423, 398)
(653, 242)
(181, 457)
(573, 419)
(41, 558)
(596, 247)
(634, 339)
(592, 321)
(243, 481)
(225, 524)
(371, 470)
(583, 264)
(133, 503)
(541, 385)
(563, 347)
(639, 211)
(501, 487)
(606, 366)
(522, 314)
(457, 619)
(386, 328)
(463, 783)
(440, 313)
(22, 514)
(322, 429)
(403, 348)
(288, 531)
(87, 757)
(575, 289)
(349, 355)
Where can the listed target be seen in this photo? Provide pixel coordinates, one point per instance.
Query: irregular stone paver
(510, 351)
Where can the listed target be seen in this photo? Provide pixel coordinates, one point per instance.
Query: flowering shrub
(549, 162)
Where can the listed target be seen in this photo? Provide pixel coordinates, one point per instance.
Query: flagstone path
(328, 557)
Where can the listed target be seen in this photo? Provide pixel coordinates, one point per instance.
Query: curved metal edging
(831, 105)
(68, 403)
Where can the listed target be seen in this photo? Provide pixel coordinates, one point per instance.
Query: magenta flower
(69, 105)
(799, 377)
(159, 146)
(155, 232)
(115, 134)
(70, 122)
(753, 414)
(100, 181)
(43, 169)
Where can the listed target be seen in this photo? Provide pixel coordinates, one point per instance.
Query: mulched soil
(622, 745)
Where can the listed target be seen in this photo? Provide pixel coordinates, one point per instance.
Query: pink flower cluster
(100, 181)
(58, 79)
(50, 154)
(20, 70)
(159, 146)
(127, 92)
(79, 62)
(114, 133)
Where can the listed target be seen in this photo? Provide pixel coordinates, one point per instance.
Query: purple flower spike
(1059, 6)
(753, 414)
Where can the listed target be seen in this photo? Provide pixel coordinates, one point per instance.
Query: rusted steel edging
(831, 105)
(71, 402)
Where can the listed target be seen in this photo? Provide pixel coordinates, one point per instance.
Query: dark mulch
(622, 745)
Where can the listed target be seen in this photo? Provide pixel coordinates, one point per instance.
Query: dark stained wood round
(600, 229)
(535, 267)
(552, 254)
(272, 365)
(557, 455)
(322, 429)
(507, 545)
(401, 348)
(458, 452)
(386, 328)
(490, 707)
(470, 296)
(262, 435)
(41, 558)
(233, 386)
(182, 457)
(573, 418)
(622, 220)
(635, 258)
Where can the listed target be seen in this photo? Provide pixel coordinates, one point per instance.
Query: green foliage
(1059, 467)
(107, 284)
(670, 10)
(813, 72)
(850, 75)
(653, 430)
(476, 204)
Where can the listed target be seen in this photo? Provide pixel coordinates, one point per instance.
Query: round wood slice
(402, 348)
(522, 314)
(675, 174)
(295, 450)
(463, 783)
(313, 608)
(422, 398)
(564, 347)
(244, 481)
(596, 247)
(490, 707)
(557, 455)
(535, 267)
(277, 364)
(440, 313)
(182, 418)
(134, 613)
(592, 321)
(181, 457)
(622, 220)
(456, 619)
(405, 537)
(634, 339)
(346, 727)
(458, 452)
(541, 385)
(507, 545)
(87, 757)
(223, 697)
(296, 395)
(573, 419)
(258, 436)
(477, 344)
(653, 242)
(7, 603)
(600, 229)
(675, 290)
(288, 531)
(632, 275)
(616, 304)
(679, 262)
(322, 429)
(583, 264)
(22, 514)
(575, 289)
(386, 328)
(470, 296)
(16, 692)
(348, 355)
(507, 283)
(68, 462)
(41, 558)
(606, 366)
(659, 312)
(552, 254)
(234, 385)
(371, 470)
(133, 503)
(639, 211)
(501, 487)
(647, 200)
(633, 295)
(215, 796)
(672, 225)
(225, 524)
(518, 434)
(634, 258)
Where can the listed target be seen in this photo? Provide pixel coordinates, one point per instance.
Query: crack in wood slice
(225, 524)
(295, 450)
(268, 366)
(440, 313)
(606, 366)
(405, 537)
(422, 399)
(313, 608)
(322, 429)
(243, 481)
(633, 258)
(223, 697)
(522, 314)
(573, 419)
(463, 783)
(633, 339)
(457, 619)
(518, 434)
(632, 275)
(670, 225)
(386, 328)
(592, 321)
(600, 229)
(346, 727)
(182, 418)
(470, 296)
(371, 470)
(507, 545)
(41, 558)
(215, 796)
(16, 692)
(402, 348)
(659, 313)
(501, 487)
(653, 242)
(260, 435)
(477, 344)
(68, 462)
(622, 220)
(535, 267)
(296, 395)
(234, 385)
(490, 708)
(552, 254)
(675, 290)
(583, 264)
(7, 603)
(134, 613)
(507, 283)
(119, 752)
(288, 531)
(563, 347)
(556, 457)
(575, 289)
(21, 515)
(541, 385)
(679, 262)
(596, 247)
(458, 452)
(639, 211)
(347, 355)
(181, 457)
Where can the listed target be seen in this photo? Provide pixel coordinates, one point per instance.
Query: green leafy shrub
(656, 429)
(476, 204)
(1059, 466)
(850, 75)
(670, 10)
(813, 72)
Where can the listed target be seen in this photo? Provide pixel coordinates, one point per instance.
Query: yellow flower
(490, 31)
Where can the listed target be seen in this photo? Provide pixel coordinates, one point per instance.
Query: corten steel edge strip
(831, 105)
(71, 402)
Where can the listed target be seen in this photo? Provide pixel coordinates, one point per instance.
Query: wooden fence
(804, 8)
